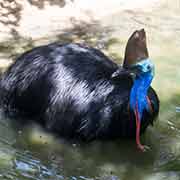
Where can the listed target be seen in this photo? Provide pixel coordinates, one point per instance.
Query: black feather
(73, 90)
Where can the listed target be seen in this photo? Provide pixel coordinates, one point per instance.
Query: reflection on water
(177, 109)
(28, 153)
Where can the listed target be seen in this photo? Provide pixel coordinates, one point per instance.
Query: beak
(134, 71)
(121, 72)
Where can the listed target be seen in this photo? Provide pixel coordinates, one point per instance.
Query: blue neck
(138, 94)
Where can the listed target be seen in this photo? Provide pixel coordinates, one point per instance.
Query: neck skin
(139, 101)
(138, 95)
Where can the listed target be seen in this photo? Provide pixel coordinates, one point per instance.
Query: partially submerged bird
(78, 92)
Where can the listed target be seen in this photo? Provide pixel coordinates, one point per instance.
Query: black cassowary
(78, 92)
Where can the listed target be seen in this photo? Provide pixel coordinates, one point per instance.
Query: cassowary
(78, 92)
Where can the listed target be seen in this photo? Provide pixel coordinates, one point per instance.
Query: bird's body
(70, 90)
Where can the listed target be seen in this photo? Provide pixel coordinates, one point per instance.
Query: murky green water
(28, 153)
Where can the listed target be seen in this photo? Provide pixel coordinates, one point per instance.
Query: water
(30, 153)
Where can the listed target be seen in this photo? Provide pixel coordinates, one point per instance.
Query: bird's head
(136, 59)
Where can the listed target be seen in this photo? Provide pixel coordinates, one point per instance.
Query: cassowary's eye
(148, 67)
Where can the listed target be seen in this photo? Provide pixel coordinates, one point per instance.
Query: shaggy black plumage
(71, 90)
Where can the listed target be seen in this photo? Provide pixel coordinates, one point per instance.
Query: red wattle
(149, 103)
(138, 126)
